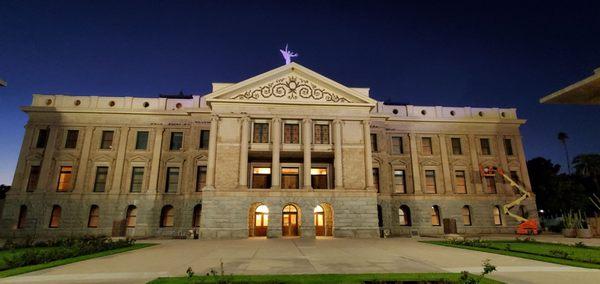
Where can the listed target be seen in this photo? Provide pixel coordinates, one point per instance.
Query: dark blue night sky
(462, 54)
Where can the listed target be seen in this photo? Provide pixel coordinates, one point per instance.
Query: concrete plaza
(300, 256)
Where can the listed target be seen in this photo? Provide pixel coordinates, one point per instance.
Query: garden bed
(406, 278)
(578, 255)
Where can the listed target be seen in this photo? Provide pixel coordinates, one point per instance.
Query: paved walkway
(300, 256)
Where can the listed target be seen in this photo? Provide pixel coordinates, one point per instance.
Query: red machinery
(527, 227)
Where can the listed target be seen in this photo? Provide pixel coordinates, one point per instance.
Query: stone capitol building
(286, 153)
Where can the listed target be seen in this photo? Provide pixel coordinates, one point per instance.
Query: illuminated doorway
(261, 221)
(290, 221)
(323, 220)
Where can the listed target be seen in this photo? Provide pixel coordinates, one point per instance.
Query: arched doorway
(289, 221)
(323, 220)
(261, 221)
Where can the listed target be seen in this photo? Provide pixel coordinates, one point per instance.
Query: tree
(588, 165)
(3, 190)
(563, 140)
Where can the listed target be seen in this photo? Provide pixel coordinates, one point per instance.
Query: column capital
(276, 119)
(306, 120)
(337, 121)
(214, 117)
(245, 118)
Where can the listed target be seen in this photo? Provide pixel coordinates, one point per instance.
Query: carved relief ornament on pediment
(291, 88)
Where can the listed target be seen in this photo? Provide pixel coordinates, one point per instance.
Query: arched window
(22, 217)
(131, 217)
(94, 217)
(466, 215)
(404, 215)
(497, 217)
(196, 217)
(435, 215)
(55, 216)
(167, 216)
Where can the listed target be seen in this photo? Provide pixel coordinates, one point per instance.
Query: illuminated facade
(286, 153)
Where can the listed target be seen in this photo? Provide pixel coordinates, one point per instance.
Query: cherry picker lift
(526, 226)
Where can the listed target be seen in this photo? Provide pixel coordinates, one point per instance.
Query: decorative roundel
(146, 104)
(77, 102)
(178, 105)
(503, 114)
(111, 103)
(395, 111)
(481, 113)
(452, 113)
(423, 112)
(48, 102)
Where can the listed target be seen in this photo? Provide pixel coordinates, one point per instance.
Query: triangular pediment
(290, 84)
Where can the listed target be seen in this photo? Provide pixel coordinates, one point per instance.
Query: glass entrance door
(290, 221)
(261, 221)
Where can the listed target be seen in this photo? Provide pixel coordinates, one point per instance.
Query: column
(83, 160)
(337, 162)
(306, 141)
(155, 164)
(118, 170)
(445, 164)
(414, 159)
(476, 177)
(504, 165)
(46, 176)
(19, 183)
(212, 153)
(243, 174)
(275, 169)
(522, 162)
(368, 155)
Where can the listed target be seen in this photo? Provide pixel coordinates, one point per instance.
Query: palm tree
(563, 139)
(588, 165)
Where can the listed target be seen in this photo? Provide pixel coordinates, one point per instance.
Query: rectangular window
(141, 140)
(291, 133)
(319, 178)
(100, 181)
(42, 138)
(426, 146)
(137, 178)
(34, 177)
(261, 177)
(514, 176)
(107, 140)
(374, 142)
(399, 181)
(490, 184)
(460, 182)
(172, 179)
(456, 147)
(176, 141)
(260, 133)
(200, 178)
(71, 141)
(290, 178)
(64, 179)
(508, 147)
(321, 133)
(376, 178)
(430, 186)
(397, 145)
(485, 146)
(204, 138)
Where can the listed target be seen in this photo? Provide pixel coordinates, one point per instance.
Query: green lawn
(30, 268)
(588, 257)
(321, 278)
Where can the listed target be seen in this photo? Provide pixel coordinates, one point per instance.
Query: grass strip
(318, 278)
(521, 254)
(31, 268)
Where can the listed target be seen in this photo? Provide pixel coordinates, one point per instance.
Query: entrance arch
(259, 220)
(323, 220)
(289, 221)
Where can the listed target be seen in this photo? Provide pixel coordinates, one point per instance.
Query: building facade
(286, 153)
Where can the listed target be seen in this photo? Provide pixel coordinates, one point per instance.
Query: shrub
(559, 253)
(63, 248)
(579, 245)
